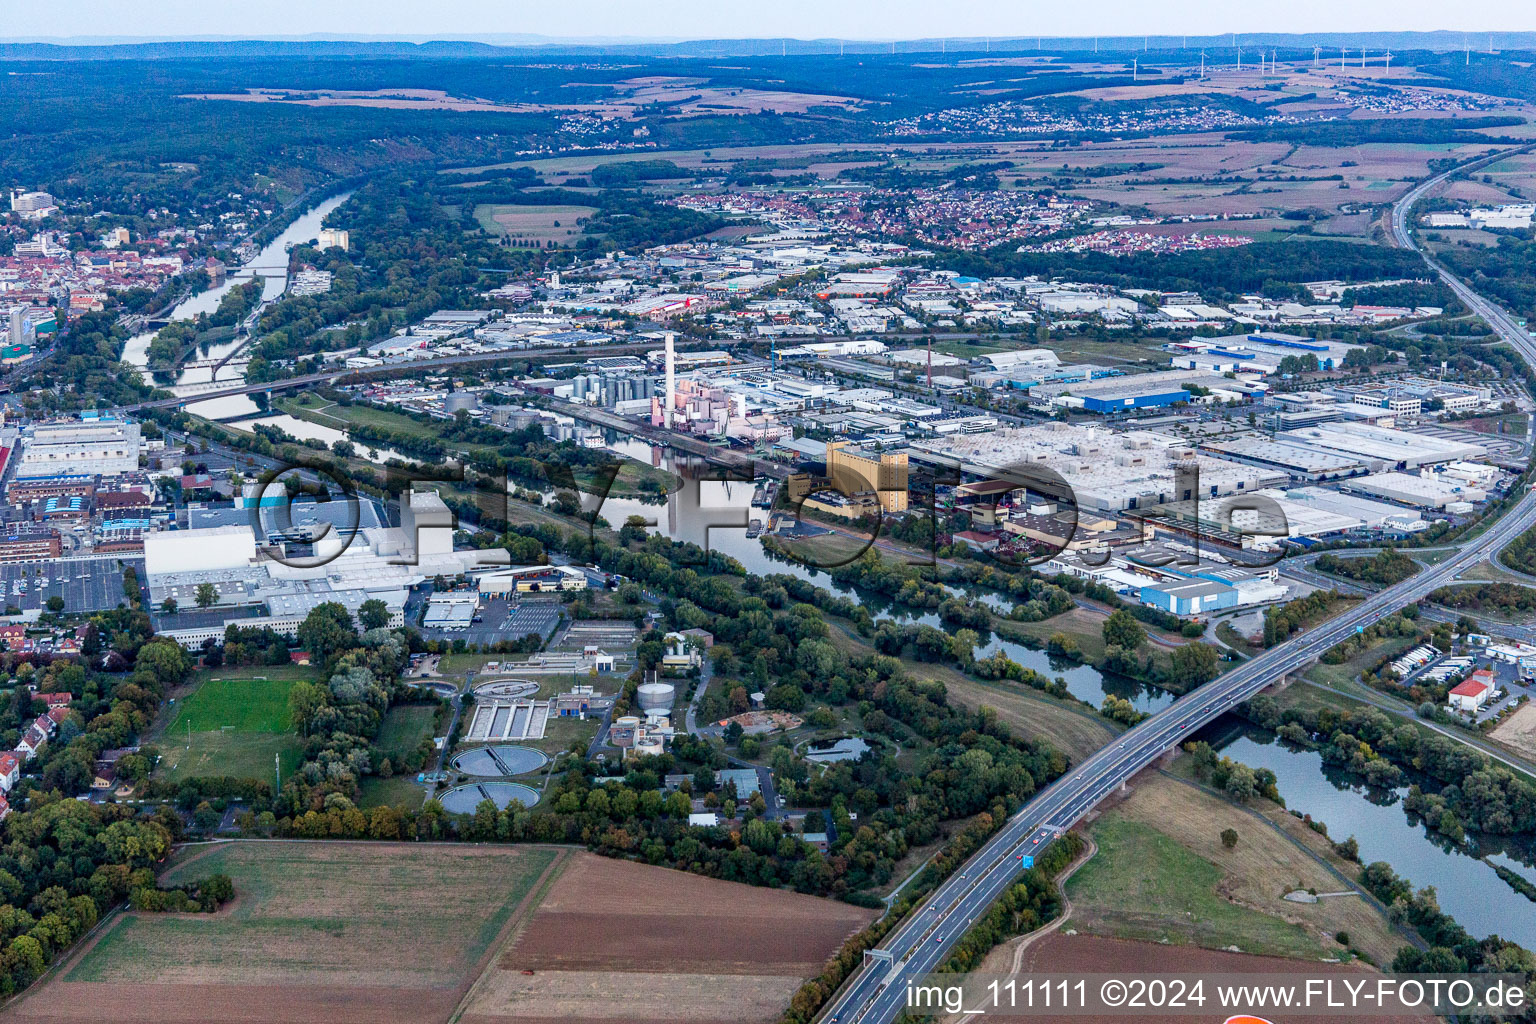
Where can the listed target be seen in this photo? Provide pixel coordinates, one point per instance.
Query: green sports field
(233, 724)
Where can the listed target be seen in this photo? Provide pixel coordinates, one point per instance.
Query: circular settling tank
(464, 799)
(500, 759)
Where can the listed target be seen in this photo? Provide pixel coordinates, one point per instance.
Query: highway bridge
(876, 993)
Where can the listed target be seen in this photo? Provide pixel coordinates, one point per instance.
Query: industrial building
(1428, 490)
(1299, 461)
(1382, 448)
(1190, 597)
(531, 579)
(1142, 391)
(314, 553)
(854, 472)
(1317, 512)
(1257, 352)
(452, 611)
(103, 446)
(1106, 471)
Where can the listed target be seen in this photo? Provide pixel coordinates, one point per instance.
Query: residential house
(33, 740)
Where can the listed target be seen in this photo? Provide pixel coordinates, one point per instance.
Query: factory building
(105, 446)
(1301, 462)
(854, 472)
(304, 555)
(1143, 391)
(1106, 471)
(1190, 597)
(1423, 491)
(532, 579)
(1382, 448)
(1316, 512)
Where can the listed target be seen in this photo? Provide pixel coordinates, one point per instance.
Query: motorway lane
(876, 995)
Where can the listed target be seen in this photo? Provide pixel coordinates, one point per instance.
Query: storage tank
(456, 400)
(657, 696)
(648, 747)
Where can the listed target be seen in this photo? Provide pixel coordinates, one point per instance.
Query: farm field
(532, 224)
(233, 722)
(1161, 848)
(317, 932)
(618, 941)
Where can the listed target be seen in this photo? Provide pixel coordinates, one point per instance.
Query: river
(1467, 887)
(271, 265)
(725, 502)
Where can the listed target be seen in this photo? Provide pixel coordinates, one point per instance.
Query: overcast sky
(710, 19)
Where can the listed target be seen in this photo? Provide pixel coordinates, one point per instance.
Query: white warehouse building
(105, 447)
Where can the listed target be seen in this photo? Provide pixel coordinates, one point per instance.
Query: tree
(1241, 783)
(1229, 838)
(1122, 630)
(207, 595)
(168, 606)
(373, 614)
(326, 630)
(56, 604)
(1195, 663)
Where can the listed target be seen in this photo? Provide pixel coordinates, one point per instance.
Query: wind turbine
(1343, 53)
(1202, 65)
(1133, 69)
(1389, 64)
(1317, 53)
(1239, 60)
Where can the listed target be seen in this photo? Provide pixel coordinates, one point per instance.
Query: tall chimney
(671, 380)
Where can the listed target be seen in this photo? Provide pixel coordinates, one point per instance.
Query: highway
(876, 993)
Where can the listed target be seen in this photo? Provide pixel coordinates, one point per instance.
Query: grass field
(395, 791)
(233, 723)
(1145, 885)
(404, 727)
(532, 225)
(317, 931)
(1275, 853)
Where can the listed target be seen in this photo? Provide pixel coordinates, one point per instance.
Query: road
(875, 995)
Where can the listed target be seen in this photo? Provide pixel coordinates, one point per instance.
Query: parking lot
(85, 584)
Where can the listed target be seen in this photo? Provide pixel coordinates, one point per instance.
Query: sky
(716, 19)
